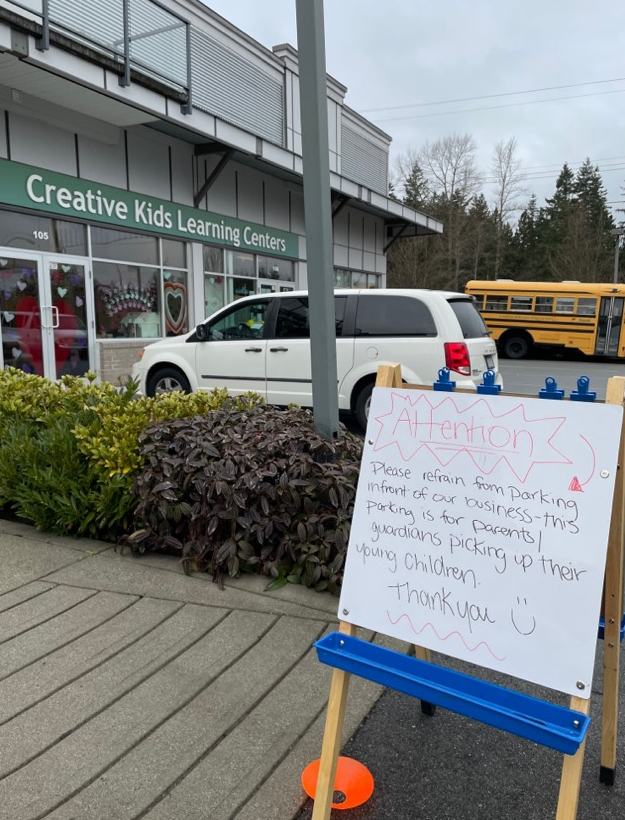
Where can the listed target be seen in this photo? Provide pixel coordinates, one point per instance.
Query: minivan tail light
(457, 358)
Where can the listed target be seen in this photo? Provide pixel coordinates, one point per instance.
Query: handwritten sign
(480, 529)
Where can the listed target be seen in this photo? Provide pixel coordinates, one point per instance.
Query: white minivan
(262, 343)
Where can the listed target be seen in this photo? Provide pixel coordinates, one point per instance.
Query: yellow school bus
(582, 316)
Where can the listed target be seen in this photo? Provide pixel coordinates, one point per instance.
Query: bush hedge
(70, 449)
(255, 490)
(229, 484)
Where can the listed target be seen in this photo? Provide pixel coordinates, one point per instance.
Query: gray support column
(124, 80)
(319, 250)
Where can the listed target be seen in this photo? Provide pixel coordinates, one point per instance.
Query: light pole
(617, 233)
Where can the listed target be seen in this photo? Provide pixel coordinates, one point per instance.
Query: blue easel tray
(548, 724)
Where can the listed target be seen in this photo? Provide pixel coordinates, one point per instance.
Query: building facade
(151, 172)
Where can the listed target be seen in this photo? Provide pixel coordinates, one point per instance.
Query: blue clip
(444, 382)
(488, 386)
(550, 390)
(583, 393)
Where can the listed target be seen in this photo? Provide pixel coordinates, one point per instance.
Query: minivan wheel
(363, 402)
(167, 380)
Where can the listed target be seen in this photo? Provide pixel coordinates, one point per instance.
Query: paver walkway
(129, 690)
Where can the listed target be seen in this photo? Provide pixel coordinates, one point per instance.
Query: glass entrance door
(45, 314)
(274, 286)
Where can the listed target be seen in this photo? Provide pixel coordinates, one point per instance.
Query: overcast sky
(397, 56)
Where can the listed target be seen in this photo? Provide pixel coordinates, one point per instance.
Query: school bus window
(496, 303)
(565, 305)
(544, 304)
(522, 303)
(586, 307)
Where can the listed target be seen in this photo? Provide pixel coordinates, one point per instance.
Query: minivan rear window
(471, 323)
(382, 315)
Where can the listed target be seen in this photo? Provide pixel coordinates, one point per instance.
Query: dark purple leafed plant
(256, 489)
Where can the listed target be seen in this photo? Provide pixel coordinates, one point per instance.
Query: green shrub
(43, 476)
(111, 441)
(70, 448)
(258, 490)
(47, 481)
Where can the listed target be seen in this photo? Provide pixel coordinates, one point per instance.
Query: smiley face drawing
(518, 616)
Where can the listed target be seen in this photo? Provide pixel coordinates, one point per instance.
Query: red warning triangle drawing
(575, 485)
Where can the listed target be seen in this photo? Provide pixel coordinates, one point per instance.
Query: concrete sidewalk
(129, 690)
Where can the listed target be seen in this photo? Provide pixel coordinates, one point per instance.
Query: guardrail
(142, 35)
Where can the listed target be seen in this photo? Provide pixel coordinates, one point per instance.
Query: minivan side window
(293, 321)
(242, 322)
(383, 315)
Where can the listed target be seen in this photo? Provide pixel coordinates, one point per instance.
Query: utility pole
(617, 233)
(318, 216)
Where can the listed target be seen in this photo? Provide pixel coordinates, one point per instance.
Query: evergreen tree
(558, 210)
(591, 193)
(568, 238)
(482, 231)
(585, 250)
(527, 260)
(417, 193)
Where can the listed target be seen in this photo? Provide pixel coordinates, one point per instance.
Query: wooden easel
(390, 376)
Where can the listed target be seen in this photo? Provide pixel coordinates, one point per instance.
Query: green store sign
(25, 186)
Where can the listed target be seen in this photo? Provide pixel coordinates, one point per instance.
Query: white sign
(480, 529)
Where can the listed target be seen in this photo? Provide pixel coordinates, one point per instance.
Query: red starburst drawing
(476, 431)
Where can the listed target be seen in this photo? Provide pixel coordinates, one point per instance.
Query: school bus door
(609, 326)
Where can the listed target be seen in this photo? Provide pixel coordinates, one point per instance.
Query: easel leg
(611, 659)
(332, 738)
(572, 772)
(425, 655)
(613, 607)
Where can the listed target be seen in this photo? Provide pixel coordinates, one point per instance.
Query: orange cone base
(353, 783)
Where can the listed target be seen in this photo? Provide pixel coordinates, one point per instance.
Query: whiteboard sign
(480, 529)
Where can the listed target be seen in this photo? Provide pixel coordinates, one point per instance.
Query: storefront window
(213, 259)
(213, 293)
(175, 301)
(240, 264)
(20, 316)
(342, 278)
(238, 287)
(275, 268)
(174, 253)
(39, 233)
(107, 243)
(127, 301)
(355, 279)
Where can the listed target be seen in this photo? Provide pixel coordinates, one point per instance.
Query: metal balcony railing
(140, 35)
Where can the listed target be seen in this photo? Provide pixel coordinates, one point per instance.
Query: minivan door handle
(253, 350)
(278, 349)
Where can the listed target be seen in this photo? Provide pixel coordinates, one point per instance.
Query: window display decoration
(126, 297)
(175, 306)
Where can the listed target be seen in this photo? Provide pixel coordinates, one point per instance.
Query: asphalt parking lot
(448, 767)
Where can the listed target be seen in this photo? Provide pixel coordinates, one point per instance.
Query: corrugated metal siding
(234, 89)
(165, 52)
(99, 20)
(363, 162)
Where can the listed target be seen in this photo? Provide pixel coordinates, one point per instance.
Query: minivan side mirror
(201, 331)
